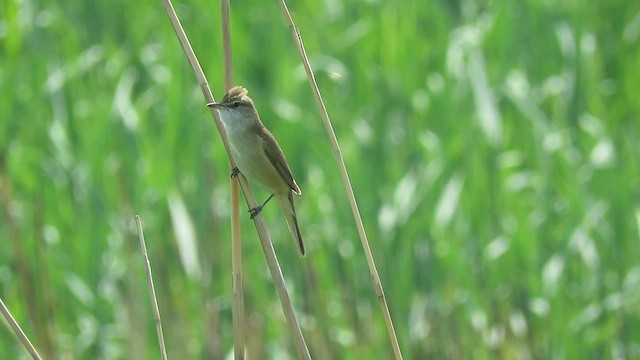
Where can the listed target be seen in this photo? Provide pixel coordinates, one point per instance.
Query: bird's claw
(234, 172)
(255, 211)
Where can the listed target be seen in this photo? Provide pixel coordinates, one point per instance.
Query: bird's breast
(248, 153)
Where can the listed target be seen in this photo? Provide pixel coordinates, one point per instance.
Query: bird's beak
(215, 105)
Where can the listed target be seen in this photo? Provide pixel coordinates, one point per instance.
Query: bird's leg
(234, 172)
(256, 210)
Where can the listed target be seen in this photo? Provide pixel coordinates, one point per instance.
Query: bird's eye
(235, 104)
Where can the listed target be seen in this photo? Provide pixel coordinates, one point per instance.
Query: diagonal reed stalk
(236, 243)
(16, 329)
(152, 290)
(263, 234)
(377, 284)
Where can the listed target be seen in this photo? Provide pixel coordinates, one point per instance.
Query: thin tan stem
(345, 177)
(236, 281)
(152, 290)
(227, 53)
(265, 240)
(16, 329)
(236, 240)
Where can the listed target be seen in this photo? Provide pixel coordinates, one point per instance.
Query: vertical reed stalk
(236, 240)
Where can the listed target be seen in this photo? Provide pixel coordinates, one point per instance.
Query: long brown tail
(286, 204)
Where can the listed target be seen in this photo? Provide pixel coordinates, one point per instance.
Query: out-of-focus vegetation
(493, 147)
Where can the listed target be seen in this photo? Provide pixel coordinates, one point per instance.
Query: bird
(258, 156)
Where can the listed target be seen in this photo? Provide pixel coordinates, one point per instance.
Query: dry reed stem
(345, 177)
(152, 290)
(236, 241)
(18, 331)
(236, 281)
(265, 240)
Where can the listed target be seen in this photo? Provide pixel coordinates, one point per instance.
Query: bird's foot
(255, 211)
(234, 172)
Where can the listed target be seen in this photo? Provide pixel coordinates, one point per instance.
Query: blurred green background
(493, 147)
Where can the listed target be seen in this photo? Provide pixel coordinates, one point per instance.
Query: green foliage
(493, 147)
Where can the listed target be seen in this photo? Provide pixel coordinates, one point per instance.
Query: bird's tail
(286, 204)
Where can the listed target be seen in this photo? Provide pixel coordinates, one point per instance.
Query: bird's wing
(277, 159)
